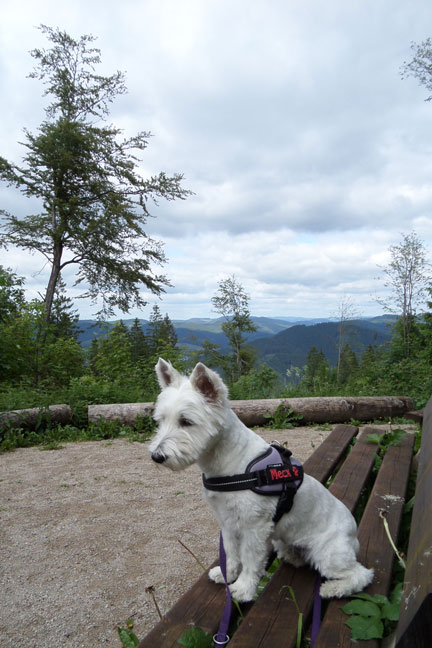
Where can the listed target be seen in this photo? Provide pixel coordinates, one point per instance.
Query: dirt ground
(85, 530)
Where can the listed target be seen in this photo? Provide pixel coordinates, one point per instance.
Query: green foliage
(348, 366)
(114, 354)
(257, 383)
(160, 331)
(373, 617)
(406, 277)
(32, 350)
(11, 294)
(232, 303)
(127, 637)
(211, 355)
(283, 419)
(196, 638)
(50, 436)
(386, 439)
(317, 370)
(300, 616)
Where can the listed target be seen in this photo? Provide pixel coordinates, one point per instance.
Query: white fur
(197, 425)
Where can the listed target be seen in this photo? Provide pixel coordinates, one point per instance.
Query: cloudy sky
(307, 153)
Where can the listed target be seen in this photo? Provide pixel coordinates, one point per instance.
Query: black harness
(271, 473)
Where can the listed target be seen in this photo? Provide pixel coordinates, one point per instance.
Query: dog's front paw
(242, 592)
(215, 574)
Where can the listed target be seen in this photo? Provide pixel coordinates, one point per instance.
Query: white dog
(197, 425)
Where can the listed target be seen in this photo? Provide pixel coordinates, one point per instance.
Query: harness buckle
(262, 478)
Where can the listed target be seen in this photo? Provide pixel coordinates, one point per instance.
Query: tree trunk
(257, 412)
(30, 417)
(49, 295)
(122, 412)
(333, 409)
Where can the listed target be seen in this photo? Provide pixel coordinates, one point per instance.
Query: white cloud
(307, 153)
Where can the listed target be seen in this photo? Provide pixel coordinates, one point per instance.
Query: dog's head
(190, 413)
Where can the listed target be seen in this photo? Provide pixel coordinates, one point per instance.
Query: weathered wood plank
(201, 606)
(387, 498)
(273, 619)
(351, 479)
(323, 461)
(415, 625)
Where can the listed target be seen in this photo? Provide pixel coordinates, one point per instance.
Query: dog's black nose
(159, 457)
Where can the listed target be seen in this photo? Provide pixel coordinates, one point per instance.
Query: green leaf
(363, 608)
(374, 438)
(379, 599)
(128, 638)
(196, 638)
(390, 611)
(409, 505)
(396, 595)
(365, 627)
(396, 437)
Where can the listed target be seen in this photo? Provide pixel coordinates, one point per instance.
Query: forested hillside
(279, 343)
(291, 346)
(193, 332)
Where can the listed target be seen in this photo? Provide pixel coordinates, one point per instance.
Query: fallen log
(124, 413)
(333, 409)
(29, 418)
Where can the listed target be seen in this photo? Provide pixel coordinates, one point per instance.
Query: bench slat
(200, 606)
(273, 617)
(354, 473)
(387, 495)
(330, 452)
(415, 625)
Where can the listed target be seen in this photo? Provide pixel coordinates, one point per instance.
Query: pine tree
(348, 366)
(161, 331)
(316, 370)
(139, 342)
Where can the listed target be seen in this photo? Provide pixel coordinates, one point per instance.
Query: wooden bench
(273, 618)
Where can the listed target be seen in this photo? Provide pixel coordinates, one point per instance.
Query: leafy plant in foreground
(373, 617)
(127, 637)
(196, 638)
(283, 418)
(384, 441)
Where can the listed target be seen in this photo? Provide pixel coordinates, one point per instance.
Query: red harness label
(282, 473)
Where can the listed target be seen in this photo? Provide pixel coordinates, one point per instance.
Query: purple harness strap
(316, 615)
(222, 638)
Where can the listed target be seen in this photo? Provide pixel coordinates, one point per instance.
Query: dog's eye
(184, 422)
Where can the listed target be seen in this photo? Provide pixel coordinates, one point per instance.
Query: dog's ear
(208, 383)
(166, 374)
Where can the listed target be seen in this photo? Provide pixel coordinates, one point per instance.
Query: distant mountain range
(291, 346)
(280, 342)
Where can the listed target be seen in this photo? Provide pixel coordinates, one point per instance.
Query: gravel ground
(85, 530)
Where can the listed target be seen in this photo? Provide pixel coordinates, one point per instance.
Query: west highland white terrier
(197, 425)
